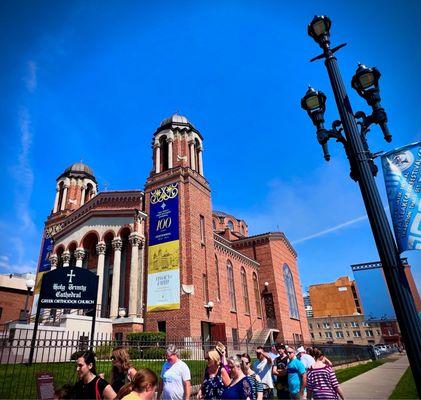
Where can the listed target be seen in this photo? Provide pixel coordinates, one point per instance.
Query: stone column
(115, 290)
(82, 195)
(100, 249)
(80, 255)
(192, 155)
(66, 258)
(157, 158)
(64, 199)
(200, 162)
(134, 240)
(54, 261)
(170, 142)
(56, 205)
(141, 272)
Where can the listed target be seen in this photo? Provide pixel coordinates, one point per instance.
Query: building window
(312, 335)
(339, 334)
(235, 339)
(292, 298)
(337, 325)
(230, 226)
(231, 290)
(328, 335)
(357, 333)
(378, 332)
(202, 229)
(245, 291)
(162, 326)
(318, 325)
(320, 334)
(354, 324)
(310, 326)
(326, 325)
(345, 324)
(214, 225)
(217, 279)
(1, 312)
(205, 288)
(347, 333)
(369, 333)
(257, 295)
(163, 145)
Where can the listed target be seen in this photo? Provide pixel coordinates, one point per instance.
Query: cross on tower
(71, 276)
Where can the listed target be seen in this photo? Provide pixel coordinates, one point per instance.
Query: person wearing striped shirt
(321, 380)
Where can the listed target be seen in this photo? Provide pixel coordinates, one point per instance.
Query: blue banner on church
(47, 248)
(402, 174)
(163, 215)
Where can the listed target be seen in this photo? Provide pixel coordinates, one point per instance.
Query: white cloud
(31, 76)
(7, 267)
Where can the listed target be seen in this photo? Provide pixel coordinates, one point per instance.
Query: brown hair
(317, 353)
(143, 379)
(121, 354)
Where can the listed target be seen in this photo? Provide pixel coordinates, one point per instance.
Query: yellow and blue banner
(402, 174)
(164, 250)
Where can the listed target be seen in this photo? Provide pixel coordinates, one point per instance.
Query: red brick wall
(12, 302)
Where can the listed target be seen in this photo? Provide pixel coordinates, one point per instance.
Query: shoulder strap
(97, 394)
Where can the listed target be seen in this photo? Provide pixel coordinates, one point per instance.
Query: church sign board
(69, 287)
(66, 287)
(164, 249)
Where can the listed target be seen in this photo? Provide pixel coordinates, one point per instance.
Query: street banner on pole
(402, 175)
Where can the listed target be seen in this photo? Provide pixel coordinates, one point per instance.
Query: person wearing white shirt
(175, 377)
(263, 367)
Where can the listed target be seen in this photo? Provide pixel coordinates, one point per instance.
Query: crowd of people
(283, 373)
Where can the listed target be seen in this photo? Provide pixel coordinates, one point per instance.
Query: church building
(166, 261)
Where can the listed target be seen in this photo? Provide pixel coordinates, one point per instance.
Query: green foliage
(348, 373)
(405, 389)
(147, 337)
(103, 352)
(185, 354)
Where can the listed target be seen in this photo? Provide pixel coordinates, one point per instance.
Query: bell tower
(180, 235)
(75, 186)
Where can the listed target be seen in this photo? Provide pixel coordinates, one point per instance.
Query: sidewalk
(378, 383)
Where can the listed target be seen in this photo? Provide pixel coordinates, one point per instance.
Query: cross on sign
(71, 276)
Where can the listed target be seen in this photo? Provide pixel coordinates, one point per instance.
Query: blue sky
(92, 80)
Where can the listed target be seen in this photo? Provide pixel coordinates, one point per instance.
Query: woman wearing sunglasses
(241, 386)
(216, 377)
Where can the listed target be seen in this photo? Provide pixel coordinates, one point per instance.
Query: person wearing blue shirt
(297, 377)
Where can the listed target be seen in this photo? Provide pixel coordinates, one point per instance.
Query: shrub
(153, 353)
(185, 354)
(103, 352)
(147, 337)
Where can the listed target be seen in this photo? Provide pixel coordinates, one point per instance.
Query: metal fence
(53, 353)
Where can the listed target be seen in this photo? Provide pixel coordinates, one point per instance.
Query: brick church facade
(229, 286)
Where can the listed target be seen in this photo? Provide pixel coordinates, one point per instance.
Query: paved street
(377, 383)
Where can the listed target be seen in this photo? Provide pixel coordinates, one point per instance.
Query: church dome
(176, 120)
(79, 167)
(79, 170)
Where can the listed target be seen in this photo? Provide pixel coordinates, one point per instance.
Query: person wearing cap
(305, 358)
(297, 377)
(279, 370)
(175, 377)
(263, 367)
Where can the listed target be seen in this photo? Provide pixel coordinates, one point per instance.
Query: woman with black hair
(90, 386)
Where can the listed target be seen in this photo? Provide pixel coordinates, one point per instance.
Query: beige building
(348, 329)
(339, 298)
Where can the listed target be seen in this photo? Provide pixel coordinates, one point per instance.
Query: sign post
(69, 287)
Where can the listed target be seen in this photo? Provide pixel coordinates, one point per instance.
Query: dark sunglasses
(290, 352)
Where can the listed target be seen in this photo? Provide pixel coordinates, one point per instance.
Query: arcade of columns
(137, 242)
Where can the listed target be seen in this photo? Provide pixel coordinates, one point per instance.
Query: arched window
(245, 291)
(88, 191)
(60, 195)
(197, 149)
(217, 278)
(231, 290)
(257, 295)
(230, 226)
(163, 145)
(290, 289)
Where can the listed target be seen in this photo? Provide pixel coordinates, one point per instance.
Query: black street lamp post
(363, 170)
